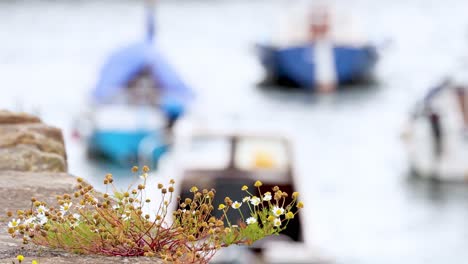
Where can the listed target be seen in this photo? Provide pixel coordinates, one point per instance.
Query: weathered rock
(27, 158)
(26, 144)
(7, 117)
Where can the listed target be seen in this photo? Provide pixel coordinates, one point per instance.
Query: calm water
(362, 206)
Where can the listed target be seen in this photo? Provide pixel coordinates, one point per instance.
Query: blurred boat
(136, 101)
(226, 160)
(317, 40)
(436, 146)
(295, 64)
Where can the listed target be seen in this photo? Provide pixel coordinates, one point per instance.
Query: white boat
(434, 141)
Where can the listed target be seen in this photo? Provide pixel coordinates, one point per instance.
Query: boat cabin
(227, 161)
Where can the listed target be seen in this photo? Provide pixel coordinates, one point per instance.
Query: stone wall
(27, 144)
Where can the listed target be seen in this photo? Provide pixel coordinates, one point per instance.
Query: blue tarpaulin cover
(124, 65)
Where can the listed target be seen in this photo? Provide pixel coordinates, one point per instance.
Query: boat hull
(124, 147)
(295, 65)
(435, 145)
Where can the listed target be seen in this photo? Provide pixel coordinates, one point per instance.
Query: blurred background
(363, 206)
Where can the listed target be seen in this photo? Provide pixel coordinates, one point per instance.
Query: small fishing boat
(225, 160)
(135, 103)
(295, 65)
(315, 47)
(436, 147)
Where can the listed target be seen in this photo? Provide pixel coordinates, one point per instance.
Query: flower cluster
(269, 213)
(119, 223)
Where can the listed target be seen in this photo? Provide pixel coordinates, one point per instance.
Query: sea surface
(362, 205)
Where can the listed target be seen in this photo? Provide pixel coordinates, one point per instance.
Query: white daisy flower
(255, 201)
(42, 209)
(267, 196)
(246, 199)
(41, 219)
(14, 223)
(277, 222)
(29, 221)
(236, 205)
(251, 220)
(76, 216)
(65, 207)
(116, 207)
(277, 211)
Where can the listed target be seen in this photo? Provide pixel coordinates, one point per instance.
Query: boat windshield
(207, 152)
(259, 154)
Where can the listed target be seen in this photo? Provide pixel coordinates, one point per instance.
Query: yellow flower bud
(300, 205)
(34, 261)
(221, 207)
(258, 184)
(271, 218)
(289, 215)
(295, 195)
(145, 168)
(20, 258)
(194, 189)
(134, 169)
(244, 188)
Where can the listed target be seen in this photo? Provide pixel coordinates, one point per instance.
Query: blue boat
(295, 65)
(122, 141)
